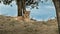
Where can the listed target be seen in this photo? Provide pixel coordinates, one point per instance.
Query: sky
(46, 10)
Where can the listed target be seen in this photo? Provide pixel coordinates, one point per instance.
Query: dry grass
(10, 26)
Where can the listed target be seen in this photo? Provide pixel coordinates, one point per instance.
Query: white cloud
(49, 6)
(28, 9)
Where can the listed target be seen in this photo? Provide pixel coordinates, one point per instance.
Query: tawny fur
(25, 17)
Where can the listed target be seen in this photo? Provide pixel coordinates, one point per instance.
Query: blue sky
(46, 10)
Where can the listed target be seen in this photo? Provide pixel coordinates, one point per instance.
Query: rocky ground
(10, 26)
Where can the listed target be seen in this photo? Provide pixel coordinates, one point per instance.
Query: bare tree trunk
(57, 6)
(23, 4)
(19, 5)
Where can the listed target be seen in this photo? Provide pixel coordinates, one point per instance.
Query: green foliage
(32, 3)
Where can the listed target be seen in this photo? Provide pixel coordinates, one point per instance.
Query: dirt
(10, 26)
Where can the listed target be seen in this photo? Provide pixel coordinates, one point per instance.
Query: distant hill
(10, 26)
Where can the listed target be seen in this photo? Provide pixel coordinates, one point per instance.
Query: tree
(57, 6)
(21, 4)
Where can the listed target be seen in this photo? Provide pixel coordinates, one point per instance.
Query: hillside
(10, 26)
